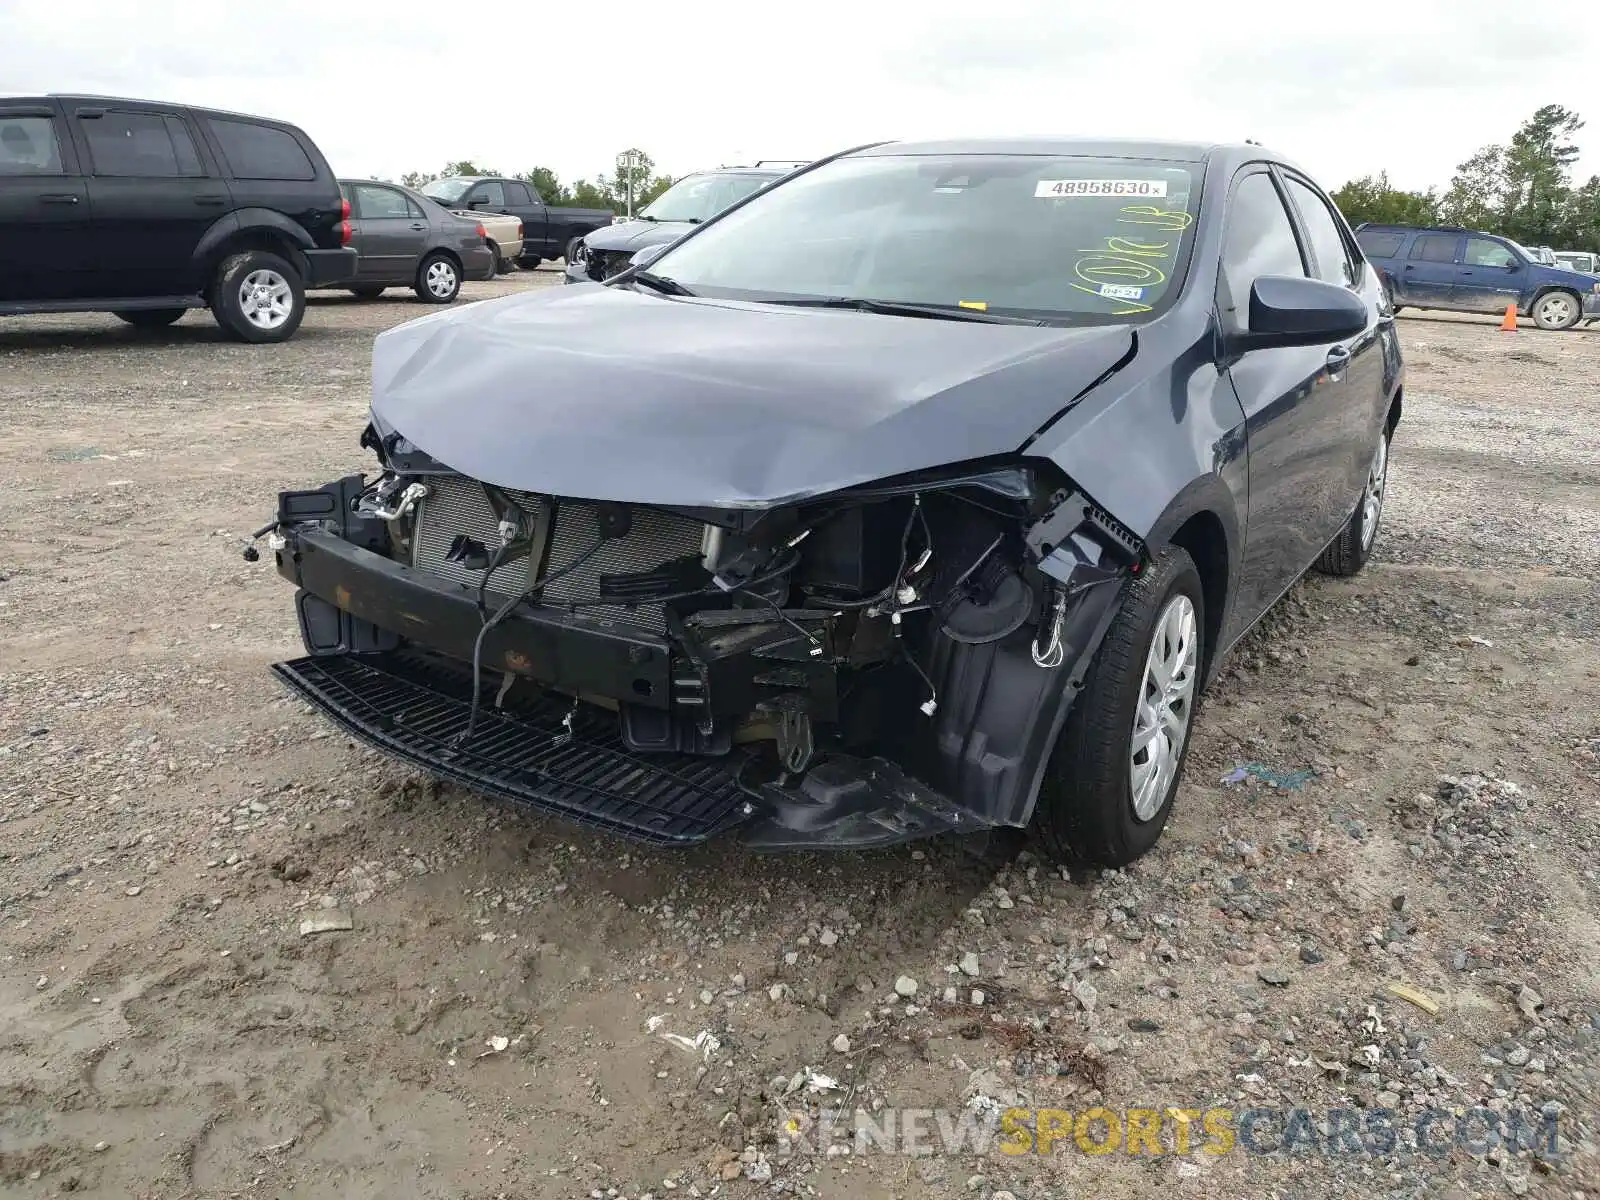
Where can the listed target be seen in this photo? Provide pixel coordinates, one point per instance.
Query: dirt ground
(1420, 805)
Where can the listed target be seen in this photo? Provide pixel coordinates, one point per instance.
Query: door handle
(1409, 267)
(1338, 357)
(58, 198)
(211, 201)
(418, 226)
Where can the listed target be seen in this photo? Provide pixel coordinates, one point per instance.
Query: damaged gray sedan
(921, 492)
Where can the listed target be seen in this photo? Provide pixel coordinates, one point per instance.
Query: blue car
(1462, 270)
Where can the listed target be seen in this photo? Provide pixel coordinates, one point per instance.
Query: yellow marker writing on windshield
(980, 305)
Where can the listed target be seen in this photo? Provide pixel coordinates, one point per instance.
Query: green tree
(1538, 170)
(547, 183)
(417, 179)
(1476, 197)
(587, 194)
(1580, 219)
(1373, 198)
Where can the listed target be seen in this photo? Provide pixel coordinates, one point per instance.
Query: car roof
(194, 108)
(1178, 151)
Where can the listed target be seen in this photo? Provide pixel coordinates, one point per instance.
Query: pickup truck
(547, 232)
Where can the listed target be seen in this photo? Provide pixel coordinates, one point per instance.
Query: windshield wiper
(660, 283)
(895, 308)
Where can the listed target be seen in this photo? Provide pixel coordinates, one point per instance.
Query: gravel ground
(1419, 807)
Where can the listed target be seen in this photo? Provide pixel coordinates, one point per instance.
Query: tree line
(603, 191)
(1522, 190)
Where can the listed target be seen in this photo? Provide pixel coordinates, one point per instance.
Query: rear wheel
(150, 318)
(258, 297)
(496, 263)
(1112, 778)
(438, 279)
(1557, 310)
(1349, 552)
(528, 262)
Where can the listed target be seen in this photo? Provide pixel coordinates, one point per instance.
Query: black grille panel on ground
(655, 538)
(413, 707)
(457, 505)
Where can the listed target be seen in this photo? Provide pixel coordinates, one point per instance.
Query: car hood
(609, 393)
(636, 235)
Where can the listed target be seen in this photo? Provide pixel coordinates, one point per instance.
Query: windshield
(448, 190)
(1543, 257)
(1077, 240)
(701, 196)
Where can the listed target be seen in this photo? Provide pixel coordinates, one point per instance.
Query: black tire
(228, 302)
(572, 248)
(438, 279)
(366, 292)
(1388, 293)
(1086, 812)
(528, 262)
(1557, 310)
(1348, 552)
(150, 318)
(497, 264)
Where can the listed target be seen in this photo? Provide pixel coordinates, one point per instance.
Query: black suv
(147, 210)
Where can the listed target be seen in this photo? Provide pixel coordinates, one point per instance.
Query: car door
(389, 232)
(1358, 400)
(486, 194)
(151, 196)
(1427, 278)
(1291, 397)
(44, 207)
(1490, 276)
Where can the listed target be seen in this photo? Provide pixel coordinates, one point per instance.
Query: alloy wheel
(1165, 707)
(1372, 497)
(440, 279)
(265, 299)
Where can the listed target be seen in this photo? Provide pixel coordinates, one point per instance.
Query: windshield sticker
(1057, 189)
(1123, 270)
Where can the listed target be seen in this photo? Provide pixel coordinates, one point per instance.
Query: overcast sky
(1413, 86)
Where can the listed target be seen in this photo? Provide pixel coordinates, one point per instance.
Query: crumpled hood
(635, 235)
(609, 393)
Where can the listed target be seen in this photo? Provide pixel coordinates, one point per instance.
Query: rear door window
(374, 203)
(28, 146)
(1436, 248)
(261, 152)
(1377, 244)
(517, 195)
(136, 145)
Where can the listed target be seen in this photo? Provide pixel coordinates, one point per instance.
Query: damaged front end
(887, 662)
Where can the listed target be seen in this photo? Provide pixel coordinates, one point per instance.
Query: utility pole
(626, 162)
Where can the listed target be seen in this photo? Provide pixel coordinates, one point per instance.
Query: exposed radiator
(457, 505)
(654, 538)
(453, 506)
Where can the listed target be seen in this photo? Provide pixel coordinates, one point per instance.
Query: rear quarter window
(261, 151)
(1380, 245)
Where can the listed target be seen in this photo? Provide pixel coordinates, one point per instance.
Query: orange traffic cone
(1509, 324)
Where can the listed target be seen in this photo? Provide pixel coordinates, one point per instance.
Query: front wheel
(1348, 552)
(1112, 778)
(1557, 311)
(150, 318)
(259, 297)
(438, 279)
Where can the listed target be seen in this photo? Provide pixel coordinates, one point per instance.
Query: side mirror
(476, 204)
(648, 255)
(1288, 310)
